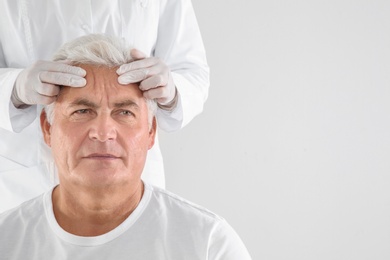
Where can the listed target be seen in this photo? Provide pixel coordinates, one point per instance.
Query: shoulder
(19, 224)
(221, 239)
(174, 203)
(25, 211)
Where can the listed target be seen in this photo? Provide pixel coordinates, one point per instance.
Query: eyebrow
(83, 102)
(126, 103)
(87, 103)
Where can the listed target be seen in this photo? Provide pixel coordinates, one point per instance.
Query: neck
(93, 212)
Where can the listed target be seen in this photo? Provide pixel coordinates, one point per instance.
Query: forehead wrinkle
(90, 104)
(103, 88)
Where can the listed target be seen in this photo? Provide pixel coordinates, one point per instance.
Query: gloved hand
(155, 77)
(40, 83)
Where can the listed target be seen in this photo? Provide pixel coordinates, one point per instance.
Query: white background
(293, 146)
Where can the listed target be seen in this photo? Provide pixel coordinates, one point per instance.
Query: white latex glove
(40, 83)
(154, 76)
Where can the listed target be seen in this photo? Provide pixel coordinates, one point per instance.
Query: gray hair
(97, 49)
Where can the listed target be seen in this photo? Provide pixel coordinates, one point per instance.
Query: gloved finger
(56, 66)
(142, 74)
(154, 81)
(133, 76)
(69, 62)
(58, 78)
(46, 100)
(48, 90)
(160, 94)
(136, 65)
(137, 54)
(41, 99)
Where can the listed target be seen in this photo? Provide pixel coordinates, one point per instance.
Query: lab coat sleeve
(180, 46)
(11, 118)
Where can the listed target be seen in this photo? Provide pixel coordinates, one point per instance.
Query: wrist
(171, 105)
(16, 101)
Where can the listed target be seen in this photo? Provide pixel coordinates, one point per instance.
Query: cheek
(137, 144)
(65, 140)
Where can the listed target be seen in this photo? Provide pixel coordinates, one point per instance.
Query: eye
(82, 114)
(81, 111)
(126, 113)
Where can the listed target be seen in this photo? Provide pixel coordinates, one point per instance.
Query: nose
(103, 129)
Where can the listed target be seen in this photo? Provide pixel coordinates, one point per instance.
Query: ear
(45, 127)
(152, 133)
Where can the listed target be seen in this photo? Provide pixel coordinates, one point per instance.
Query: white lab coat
(32, 30)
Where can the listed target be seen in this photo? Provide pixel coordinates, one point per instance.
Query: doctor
(170, 63)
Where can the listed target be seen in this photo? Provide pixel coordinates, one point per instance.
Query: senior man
(99, 136)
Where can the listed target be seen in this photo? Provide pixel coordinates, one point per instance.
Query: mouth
(101, 156)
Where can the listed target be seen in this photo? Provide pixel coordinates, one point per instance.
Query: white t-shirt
(163, 226)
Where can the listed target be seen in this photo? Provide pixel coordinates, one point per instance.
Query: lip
(101, 156)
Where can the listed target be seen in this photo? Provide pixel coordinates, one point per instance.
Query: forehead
(102, 85)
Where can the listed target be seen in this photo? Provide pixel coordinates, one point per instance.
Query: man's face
(100, 134)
